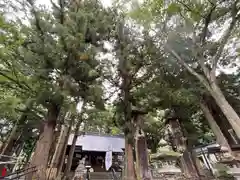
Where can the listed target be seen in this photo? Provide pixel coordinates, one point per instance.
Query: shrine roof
(97, 142)
(210, 148)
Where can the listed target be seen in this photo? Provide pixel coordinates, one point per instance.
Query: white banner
(108, 160)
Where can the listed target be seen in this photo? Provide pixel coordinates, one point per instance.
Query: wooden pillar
(141, 149)
(178, 142)
(221, 121)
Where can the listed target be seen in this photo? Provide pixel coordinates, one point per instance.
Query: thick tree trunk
(141, 149)
(129, 171)
(220, 138)
(41, 154)
(142, 162)
(59, 147)
(73, 146)
(179, 141)
(71, 153)
(60, 140)
(63, 157)
(55, 138)
(188, 165)
(197, 163)
(226, 108)
(64, 149)
(125, 74)
(221, 120)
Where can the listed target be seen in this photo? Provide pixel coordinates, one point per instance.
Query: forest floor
(180, 177)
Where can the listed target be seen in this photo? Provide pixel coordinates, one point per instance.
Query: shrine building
(94, 147)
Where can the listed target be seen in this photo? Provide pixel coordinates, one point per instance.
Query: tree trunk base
(41, 155)
(129, 173)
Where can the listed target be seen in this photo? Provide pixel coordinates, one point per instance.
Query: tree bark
(129, 171)
(71, 153)
(142, 161)
(141, 150)
(64, 149)
(220, 138)
(188, 164)
(197, 163)
(41, 154)
(179, 142)
(125, 74)
(59, 147)
(226, 108)
(73, 146)
(62, 159)
(53, 150)
(220, 119)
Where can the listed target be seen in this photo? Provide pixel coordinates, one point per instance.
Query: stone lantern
(165, 160)
(174, 133)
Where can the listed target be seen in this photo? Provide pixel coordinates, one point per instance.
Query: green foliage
(102, 121)
(9, 102)
(173, 8)
(29, 145)
(154, 128)
(187, 29)
(44, 59)
(54, 59)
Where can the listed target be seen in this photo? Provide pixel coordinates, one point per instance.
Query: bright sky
(106, 3)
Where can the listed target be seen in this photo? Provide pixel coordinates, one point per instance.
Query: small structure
(175, 136)
(165, 160)
(217, 160)
(210, 154)
(93, 148)
(141, 150)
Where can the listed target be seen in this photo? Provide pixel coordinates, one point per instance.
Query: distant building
(94, 147)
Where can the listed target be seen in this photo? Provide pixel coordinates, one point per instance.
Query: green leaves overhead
(173, 8)
(53, 57)
(62, 44)
(60, 56)
(102, 121)
(186, 34)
